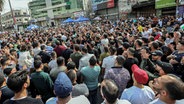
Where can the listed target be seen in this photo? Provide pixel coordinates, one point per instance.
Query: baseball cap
(140, 75)
(62, 85)
(166, 67)
(157, 53)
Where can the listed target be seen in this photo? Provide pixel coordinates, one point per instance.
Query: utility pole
(14, 21)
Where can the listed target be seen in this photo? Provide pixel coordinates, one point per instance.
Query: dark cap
(158, 53)
(166, 67)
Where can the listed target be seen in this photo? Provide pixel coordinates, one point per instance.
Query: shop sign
(164, 3)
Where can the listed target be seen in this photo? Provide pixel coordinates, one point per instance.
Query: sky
(16, 4)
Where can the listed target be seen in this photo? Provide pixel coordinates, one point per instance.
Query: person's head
(53, 55)
(125, 45)
(130, 51)
(170, 87)
(139, 76)
(5, 61)
(72, 75)
(43, 47)
(92, 61)
(23, 48)
(38, 64)
(2, 79)
(57, 42)
(76, 47)
(109, 91)
(37, 57)
(119, 60)
(180, 46)
(112, 50)
(60, 61)
(84, 50)
(71, 65)
(144, 50)
(106, 49)
(153, 45)
(10, 70)
(138, 43)
(164, 68)
(162, 38)
(157, 55)
(18, 81)
(63, 87)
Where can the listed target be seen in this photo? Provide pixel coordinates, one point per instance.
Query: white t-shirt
(137, 95)
(108, 62)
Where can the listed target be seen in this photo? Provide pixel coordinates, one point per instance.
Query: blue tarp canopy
(81, 19)
(69, 20)
(32, 26)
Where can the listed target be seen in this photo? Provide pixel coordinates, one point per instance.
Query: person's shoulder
(79, 100)
(123, 102)
(33, 100)
(51, 100)
(27, 100)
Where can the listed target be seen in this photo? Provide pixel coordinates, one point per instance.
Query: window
(67, 7)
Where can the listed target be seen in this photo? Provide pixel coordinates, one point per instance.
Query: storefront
(165, 7)
(106, 8)
(146, 9)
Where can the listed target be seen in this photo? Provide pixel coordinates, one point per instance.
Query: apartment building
(51, 12)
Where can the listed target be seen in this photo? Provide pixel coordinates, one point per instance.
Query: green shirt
(91, 76)
(43, 84)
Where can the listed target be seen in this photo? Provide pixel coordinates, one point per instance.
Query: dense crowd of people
(132, 61)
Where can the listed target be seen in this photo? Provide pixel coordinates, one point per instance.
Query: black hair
(139, 42)
(76, 47)
(84, 49)
(43, 47)
(93, 61)
(155, 45)
(16, 80)
(37, 63)
(71, 65)
(60, 61)
(112, 50)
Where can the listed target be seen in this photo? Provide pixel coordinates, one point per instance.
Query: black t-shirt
(27, 100)
(6, 94)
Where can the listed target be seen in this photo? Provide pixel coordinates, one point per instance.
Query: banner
(102, 4)
(164, 3)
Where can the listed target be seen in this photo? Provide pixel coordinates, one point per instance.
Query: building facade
(21, 18)
(51, 12)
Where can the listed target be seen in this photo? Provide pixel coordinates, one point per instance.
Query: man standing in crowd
(169, 88)
(110, 92)
(60, 68)
(90, 76)
(41, 82)
(6, 92)
(18, 82)
(119, 74)
(138, 93)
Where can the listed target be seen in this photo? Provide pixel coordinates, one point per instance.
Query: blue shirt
(90, 75)
(137, 95)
